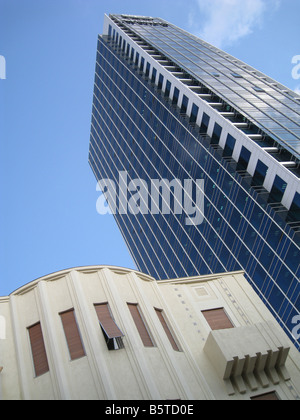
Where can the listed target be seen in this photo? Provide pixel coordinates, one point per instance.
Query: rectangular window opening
(215, 139)
(277, 191)
(168, 89)
(204, 123)
(260, 174)
(154, 73)
(229, 147)
(217, 319)
(111, 332)
(175, 96)
(74, 341)
(244, 159)
(166, 327)
(140, 324)
(38, 350)
(184, 104)
(194, 114)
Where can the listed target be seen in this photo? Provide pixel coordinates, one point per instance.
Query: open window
(111, 332)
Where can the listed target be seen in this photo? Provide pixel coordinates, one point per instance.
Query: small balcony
(250, 357)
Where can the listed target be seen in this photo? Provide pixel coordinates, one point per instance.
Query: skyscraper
(170, 107)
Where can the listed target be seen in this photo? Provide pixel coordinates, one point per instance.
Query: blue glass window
(154, 73)
(168, 89)
(184, 105)
(175, 96)
(204, 123)
(216, 135)
(142, 64)
(294, 213)
(244, 159)
(147, 70)
(229, 146)
(260, 174)
(160, 82)
(132, 54)
(137, 57)
(194, 114)
(278, 190)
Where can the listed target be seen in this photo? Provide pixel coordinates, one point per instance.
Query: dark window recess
(294, 213)
(168, 89)
(175, 96)
(244, 159)
(111, 332)
(154, 73)
(132, 54)
(184, 105)
(194, 114)
(260, 174)
(160, 82)
(229, 146)
(204, 123)
(216, 135)
(147, 70)
(142, 64)
(277, 191)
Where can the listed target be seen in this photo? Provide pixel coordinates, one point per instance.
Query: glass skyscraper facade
(169, 106)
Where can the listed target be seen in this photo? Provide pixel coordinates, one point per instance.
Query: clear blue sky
(48, 218)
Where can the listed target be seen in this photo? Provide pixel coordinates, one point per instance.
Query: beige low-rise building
(110, 333)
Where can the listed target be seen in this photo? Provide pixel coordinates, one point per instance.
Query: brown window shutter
(271, 396)
(107, 322)
(217, 319)
(38, 350)
(72, 334)
(165, 325)
(140, 325)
